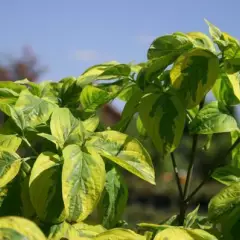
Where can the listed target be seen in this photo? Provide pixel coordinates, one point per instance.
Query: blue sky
(69, 36)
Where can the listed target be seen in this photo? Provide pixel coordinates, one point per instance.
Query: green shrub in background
(73, 165)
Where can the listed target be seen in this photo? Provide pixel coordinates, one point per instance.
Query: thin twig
(235, 144)
(175, 168)
(191, 165)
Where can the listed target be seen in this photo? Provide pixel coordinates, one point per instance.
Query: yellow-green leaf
(34, 109)
(88, 231)
(66, 128)
(10, 141)
(125, 151)
(201, 40)
(10, 164)
(92, 98)
(23, 227)
(184, 234)
(119, 234)
(227, 89)
(83, 179)
(105, 71)
(46, 188)
(193, 75)
(163, 117)
(91, 123)
(235, 162)
(64, 231)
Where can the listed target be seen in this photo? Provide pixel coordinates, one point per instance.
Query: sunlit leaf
(125, 151)
(83, 179)
(10, 141)
(227, 89)
(114, 199)
(105, 71)
(213, 118)
(163, 117)
(22, 226)
(10, 164)
(46, 188)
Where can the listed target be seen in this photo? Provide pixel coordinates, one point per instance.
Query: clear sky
(69, 36)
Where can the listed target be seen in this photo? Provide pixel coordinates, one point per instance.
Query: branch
(177, 175)
(30, 146)
(235, 144)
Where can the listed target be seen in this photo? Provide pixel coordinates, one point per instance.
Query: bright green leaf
(163, 116)
(193, 75)
(10, 164)
(83, 179)
(227, 89)
(191, 217)
(213, 118)
(169, 45)
(46, 188)
(125, 151)
(140, 128)
(114, 199)
(88, 231)
(227, 175)
(92, 98)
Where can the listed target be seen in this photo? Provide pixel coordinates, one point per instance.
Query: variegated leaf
(163, 117)
(193, 75)
(46, 188)
(83, 179)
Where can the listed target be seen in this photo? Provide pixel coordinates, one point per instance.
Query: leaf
(34, 109)
(10, 164)
(92, 98)
(235, 162)
(46, 188)
(91, 123)
(119, 234)
(7, 233)
(10, 141)
(227, 89)
(83, 179)
(89, 231)
(163, 117)
(130, 108)
(227, 175)
(184, 234)
(140, 128)
(49, 137)
(169, 45)
(69, 92)
(152, 70)
(14, 86)
(224, 203)
(66, 128)
(125, 151)
(193, 75)
(23, 227)
(213, 118)
(191, 218)
(201, 40)
(105, 71)
(63, 231)
(18, 117)
(114, 199)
